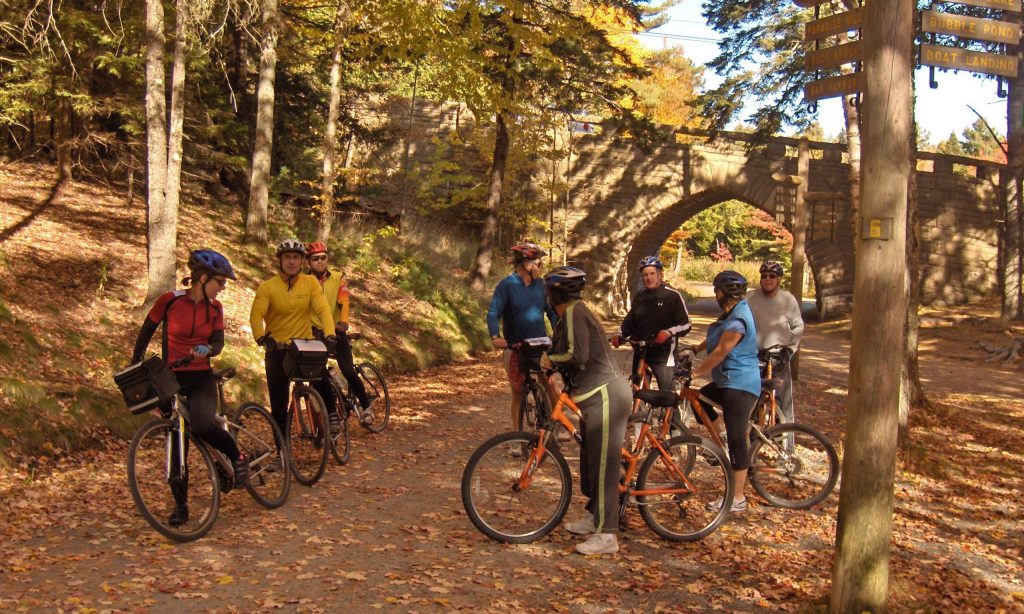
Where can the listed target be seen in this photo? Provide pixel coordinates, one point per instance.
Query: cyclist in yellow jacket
(336, 291)
(283, 310)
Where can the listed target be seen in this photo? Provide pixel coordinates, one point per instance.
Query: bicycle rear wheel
(674, 510)
(380, 399)
(260, 440)
(308, 435)
(341, 442)
(497, 508)
(152, 482)
(795, 479)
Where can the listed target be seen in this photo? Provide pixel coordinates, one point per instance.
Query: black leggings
(737, 405)
(348, 369)
(200, 388)
(277, 385)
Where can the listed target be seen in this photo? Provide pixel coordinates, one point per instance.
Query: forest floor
(388, 530)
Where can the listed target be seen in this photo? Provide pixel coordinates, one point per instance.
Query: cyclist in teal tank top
(735, 375)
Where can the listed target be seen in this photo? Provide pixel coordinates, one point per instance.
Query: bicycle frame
(631, 457)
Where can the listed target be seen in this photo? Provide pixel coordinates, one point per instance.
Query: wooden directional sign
(831, 87)
(1004, 5)
(970, 27)
(974, 61)
(833, 24)
(830, 57)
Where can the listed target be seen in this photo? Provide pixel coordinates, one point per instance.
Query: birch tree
(259, 182)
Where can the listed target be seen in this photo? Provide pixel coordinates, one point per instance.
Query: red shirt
(188, 325)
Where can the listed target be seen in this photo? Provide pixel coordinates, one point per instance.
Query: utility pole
(860, 574)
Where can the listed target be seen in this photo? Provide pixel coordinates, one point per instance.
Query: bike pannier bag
(305, 359)
(146, 385)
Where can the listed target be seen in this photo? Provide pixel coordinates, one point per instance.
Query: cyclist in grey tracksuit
(579, 349)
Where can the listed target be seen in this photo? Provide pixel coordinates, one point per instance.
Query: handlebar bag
(146, 384)
(305, 359)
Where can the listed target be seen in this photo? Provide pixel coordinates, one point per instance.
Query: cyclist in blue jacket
(518, 304)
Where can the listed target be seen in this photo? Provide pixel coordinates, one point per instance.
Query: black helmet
(291, 246)
(568, 279)
(653, 261)
(731, 283)
(771, 266)
(527, 251)
(207, 260)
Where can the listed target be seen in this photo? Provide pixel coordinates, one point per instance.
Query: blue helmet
(653, 261)
(568, 279)
(207, 260)
(731, 283)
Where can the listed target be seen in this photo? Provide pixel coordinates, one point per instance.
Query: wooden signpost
(833, 24)
(974, 61)
(975, 28)
(970, 27)
(830, 87)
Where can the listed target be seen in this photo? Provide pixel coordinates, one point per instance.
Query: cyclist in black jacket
(658, 313)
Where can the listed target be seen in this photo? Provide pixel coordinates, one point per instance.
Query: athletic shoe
(599, 543)
(738, 505)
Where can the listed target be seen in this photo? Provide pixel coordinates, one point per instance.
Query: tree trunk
(482, 263)
(1012, 229)
(860, 575)
(172, 192)
(160, 223)
(796, 278)
(679, 258)
(259, 184)
(63, 135)
(330, 144)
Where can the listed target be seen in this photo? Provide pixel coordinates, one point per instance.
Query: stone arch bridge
(625, 202)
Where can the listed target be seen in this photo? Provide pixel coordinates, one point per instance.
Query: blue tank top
(739, 370)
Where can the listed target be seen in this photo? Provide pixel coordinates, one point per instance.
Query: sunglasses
(769, 276)
(318, 258)
(221, 281)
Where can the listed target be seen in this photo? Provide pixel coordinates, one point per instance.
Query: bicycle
(307, 432)
(796, 478)
(534, 404)
(374, 420)
(519, 500)
(642, 377)
(164, 458)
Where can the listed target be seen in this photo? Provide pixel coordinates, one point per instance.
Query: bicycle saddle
(658, 398)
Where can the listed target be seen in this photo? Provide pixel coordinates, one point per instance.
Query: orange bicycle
(519, 499)
(791, 465)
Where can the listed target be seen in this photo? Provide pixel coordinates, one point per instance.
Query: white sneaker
(738, 505)
(583, 526)
(599, 543)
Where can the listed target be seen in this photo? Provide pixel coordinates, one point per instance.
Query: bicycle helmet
(568, 279)
(291, 246)
(771, 266)
(207, 260)
(316, 247)
(731, 283)
(653, 261)
(527, 251)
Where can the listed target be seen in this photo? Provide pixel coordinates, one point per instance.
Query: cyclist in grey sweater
(779, 322)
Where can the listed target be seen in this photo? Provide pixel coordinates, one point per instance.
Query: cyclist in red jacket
(193, 322)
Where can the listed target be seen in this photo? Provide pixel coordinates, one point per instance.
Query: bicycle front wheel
(532, 409)
(685, 510)
(341, 442)
(308, 435)
(793, 466)
(158, 484)
(497, 507)
(260, 440)
(380, 399)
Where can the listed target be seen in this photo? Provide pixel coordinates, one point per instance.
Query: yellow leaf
(225, 580)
